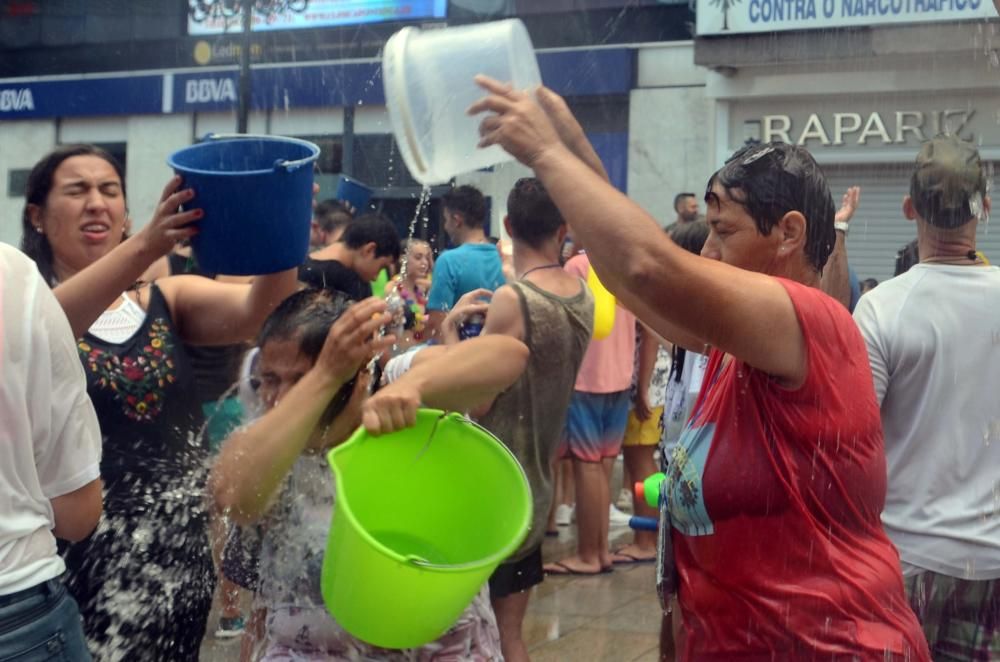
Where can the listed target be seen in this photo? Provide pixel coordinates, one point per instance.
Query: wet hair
(332, 215)
(467, 201)
(533, 216)
(690, 236)
(375, 228)
(34, 244)
(306, 318)
(771, 179)
(681, 196)
(906, 257)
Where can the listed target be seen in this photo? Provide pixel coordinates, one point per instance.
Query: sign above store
(722, 17)
(866, 125)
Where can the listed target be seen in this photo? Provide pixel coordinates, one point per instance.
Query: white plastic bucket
(428, 77)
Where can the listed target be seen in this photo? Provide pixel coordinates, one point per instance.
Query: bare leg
(510, 612)
(229, 592)
(591, 511)
(640, 464)
(251, 648)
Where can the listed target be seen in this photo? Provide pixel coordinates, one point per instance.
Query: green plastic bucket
(423, 517)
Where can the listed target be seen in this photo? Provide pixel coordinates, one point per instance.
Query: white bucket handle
(289, 166)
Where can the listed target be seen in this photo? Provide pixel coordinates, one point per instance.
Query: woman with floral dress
(144, 578)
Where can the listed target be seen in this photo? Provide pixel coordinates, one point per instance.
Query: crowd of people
(831, 482)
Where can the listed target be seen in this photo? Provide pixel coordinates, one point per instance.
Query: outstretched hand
(848, 205)
(518, 123)
(170, 225)
(352, 340)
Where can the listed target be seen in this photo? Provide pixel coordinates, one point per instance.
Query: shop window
(331, 153)
(378, 163)
(17, 182)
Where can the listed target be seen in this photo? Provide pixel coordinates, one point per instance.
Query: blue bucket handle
(289, 166)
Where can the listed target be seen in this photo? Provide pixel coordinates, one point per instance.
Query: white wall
(21, 145)
(671, 130)
(151, 139)
(497, 185)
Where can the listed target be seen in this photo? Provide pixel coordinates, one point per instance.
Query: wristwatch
(841, 226)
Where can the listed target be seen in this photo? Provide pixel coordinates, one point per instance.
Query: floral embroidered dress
(144, 578)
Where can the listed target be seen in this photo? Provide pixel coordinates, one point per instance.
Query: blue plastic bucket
(354, 192)
(256, 192)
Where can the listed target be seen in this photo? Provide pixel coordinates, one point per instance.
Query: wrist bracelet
(841, 226)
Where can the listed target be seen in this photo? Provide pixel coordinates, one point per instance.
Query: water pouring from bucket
(428, 77)
(256, 194)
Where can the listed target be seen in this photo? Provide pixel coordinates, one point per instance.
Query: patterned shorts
(961, 618)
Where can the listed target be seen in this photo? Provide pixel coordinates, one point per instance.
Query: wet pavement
(612, 617)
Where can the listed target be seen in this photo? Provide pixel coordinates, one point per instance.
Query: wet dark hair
(533, 216)
(33, 243)
(306, 317)
(467, 201)
(373, 228)
(681, 196)
(331, 215)
(906, 257)
(771, 179)
(690, 236)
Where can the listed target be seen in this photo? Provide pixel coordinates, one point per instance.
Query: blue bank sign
(330, 85)
(720, 17)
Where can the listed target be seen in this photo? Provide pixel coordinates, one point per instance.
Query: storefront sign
(571, 73)
(895, 128)
(721, 17)
(75, 98)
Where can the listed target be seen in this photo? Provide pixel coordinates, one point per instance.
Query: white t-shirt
(49, 435)
(933, 337)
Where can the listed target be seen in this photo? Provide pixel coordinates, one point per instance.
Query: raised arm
(255, 459)
(746, 314)
(88, 293)
(836, 280)
(210, 312)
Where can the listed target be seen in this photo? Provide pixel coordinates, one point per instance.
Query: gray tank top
(529, 416)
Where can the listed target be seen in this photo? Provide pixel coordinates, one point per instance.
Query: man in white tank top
(933, 337)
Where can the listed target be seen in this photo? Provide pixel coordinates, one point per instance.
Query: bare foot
(633, 554)
(572, 565)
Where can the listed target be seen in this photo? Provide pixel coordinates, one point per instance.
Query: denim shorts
(41, 623)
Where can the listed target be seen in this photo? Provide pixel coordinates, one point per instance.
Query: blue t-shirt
(461, 270)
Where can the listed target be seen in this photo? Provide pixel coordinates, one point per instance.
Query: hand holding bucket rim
(522, 122)
(170, 224)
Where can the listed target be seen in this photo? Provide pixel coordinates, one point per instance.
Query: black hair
(306, 317)
(35, 244)
(681, 196)
(331, 215)
(467, 201)
(533, 216)
(690, 236)
(906, 257)
(771, 179)
(375, 228)
(869, 283)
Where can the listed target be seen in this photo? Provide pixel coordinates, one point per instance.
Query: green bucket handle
(441, 415)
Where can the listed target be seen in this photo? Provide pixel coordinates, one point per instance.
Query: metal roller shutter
(879, 228)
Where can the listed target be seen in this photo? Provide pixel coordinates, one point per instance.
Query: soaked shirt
(775, 498)
(298, 626)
